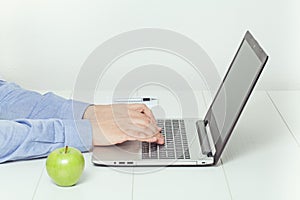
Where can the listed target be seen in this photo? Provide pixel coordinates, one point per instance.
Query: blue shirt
(32, 125)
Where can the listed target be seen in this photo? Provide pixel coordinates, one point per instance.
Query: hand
(113, 124)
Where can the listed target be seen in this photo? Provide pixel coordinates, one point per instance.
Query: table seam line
(38, 183)
(132, 184)
(226, 179)
(284, 121)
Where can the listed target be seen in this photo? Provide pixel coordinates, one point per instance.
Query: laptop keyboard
(176, 144)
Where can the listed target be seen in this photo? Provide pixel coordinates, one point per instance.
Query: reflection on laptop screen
(235, 90)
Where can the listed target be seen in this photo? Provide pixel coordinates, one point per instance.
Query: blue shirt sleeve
(29, 138)
(32, 125)
(16, 103)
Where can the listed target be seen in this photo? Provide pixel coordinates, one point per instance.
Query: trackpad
(130, 150)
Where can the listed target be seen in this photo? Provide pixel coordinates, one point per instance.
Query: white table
(261, 161)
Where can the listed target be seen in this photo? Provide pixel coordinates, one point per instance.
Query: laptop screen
(235, 91)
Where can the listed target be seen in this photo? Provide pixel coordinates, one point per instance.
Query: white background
(43, 43)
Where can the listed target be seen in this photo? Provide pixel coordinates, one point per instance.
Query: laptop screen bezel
(210, 119)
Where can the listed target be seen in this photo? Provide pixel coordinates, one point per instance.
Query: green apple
(65, 166)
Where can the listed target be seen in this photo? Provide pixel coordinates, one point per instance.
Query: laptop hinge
(205, 138)
(210, 139)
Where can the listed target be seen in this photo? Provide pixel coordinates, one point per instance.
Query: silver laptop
(196, 142)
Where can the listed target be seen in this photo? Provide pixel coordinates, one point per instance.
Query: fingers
(142, 116)
(119, 123)
(142, 108)
(143, 120)
(138, 127)
(137, 130)
(134, 109)
(158, 138)
(145, 134)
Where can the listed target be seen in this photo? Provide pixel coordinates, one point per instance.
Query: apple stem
(66, 149)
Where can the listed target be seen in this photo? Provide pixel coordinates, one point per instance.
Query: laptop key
(187, 154)
(145, 156)
(176, 144)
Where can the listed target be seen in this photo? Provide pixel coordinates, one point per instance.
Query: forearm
(16, 102)
(26, 139)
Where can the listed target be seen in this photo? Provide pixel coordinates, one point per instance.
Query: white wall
(43, 43)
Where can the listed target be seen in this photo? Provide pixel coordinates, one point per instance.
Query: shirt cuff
(78, 134)
(72, 109)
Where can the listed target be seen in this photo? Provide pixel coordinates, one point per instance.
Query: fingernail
(161, 141)
(154, 139)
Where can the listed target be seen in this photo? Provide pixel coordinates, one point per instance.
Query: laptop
(196, 142)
